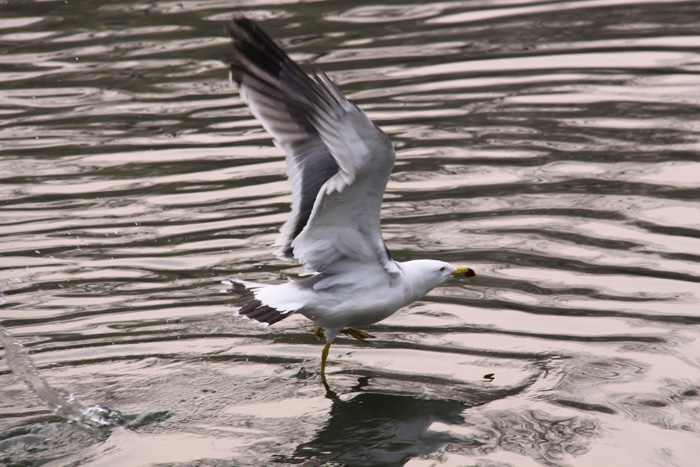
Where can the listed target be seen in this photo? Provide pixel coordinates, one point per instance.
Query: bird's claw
(357, 334)
(352, 332)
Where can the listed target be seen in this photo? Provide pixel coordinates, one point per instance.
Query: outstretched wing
(337, 160)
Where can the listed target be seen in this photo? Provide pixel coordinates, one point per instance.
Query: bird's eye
(442, 269)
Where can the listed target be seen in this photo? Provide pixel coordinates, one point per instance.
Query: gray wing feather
(338, 161)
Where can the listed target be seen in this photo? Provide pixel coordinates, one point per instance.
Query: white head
(423, 275)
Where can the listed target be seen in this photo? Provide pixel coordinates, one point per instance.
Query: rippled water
(553, 147)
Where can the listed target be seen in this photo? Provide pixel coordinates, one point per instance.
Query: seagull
(338, 163)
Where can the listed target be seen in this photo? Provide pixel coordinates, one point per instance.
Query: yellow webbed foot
(357, 334)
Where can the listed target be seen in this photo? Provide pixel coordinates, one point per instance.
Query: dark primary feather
(338, 161)
(252, 308)
(281, 94)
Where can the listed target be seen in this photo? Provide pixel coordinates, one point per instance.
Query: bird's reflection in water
(390, 429)
(380, 430)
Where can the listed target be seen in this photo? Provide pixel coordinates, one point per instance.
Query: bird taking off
(338, 163)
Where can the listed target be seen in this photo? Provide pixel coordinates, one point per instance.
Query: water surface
(551, 146)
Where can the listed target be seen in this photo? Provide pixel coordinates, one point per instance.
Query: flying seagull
(339, 163)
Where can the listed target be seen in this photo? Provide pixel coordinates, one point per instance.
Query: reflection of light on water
(680, 216)
(549, 145)
(516, 11)
(632, 60)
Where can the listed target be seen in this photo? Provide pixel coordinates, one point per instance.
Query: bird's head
(428, 273)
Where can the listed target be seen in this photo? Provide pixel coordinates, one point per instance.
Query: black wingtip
(240, 23)
(254, 49)
(245, 31)
(243, 21)
(252, 308)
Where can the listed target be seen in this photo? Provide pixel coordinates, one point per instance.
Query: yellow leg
(324, 356)
(356, 333)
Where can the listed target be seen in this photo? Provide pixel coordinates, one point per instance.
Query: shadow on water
(381, 430)
(387, 430)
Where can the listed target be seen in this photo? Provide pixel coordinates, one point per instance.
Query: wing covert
(338, 161)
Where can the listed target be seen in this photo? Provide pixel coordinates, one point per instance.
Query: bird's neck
(415, 281)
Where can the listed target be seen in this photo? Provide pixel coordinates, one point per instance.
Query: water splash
(61, 402)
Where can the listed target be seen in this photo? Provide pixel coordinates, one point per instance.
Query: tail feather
(251, 307)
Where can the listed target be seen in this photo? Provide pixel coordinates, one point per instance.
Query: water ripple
(550, 146)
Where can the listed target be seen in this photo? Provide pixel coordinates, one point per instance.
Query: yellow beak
(464, 272)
